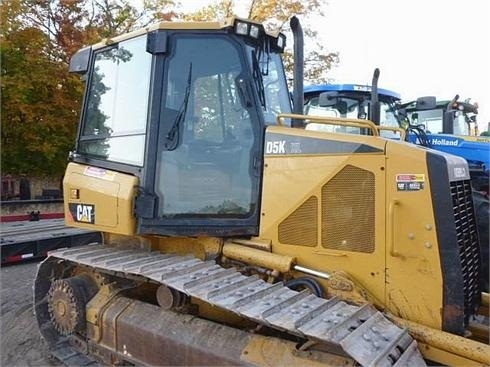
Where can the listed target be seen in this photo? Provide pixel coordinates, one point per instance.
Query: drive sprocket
(66, 303)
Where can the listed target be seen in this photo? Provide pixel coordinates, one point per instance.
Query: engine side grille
(467, 237)
(301, 226)
(348, 212)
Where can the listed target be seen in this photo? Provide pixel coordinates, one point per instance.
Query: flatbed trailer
(23, 240)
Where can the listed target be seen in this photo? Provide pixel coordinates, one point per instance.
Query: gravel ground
(21, 343)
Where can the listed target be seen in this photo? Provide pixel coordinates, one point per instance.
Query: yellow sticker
(410, 177)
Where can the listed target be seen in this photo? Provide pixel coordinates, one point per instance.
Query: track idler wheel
(169, 298)
(66, 300)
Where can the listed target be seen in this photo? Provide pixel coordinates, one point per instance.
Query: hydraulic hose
(306, 282)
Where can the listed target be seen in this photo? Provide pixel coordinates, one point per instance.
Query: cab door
(208, 152)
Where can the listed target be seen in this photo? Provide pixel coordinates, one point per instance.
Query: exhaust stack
(298, 98)
(375, 112)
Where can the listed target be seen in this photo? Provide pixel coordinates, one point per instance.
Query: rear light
(17, 258)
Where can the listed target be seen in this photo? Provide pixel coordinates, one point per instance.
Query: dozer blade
(363, 333)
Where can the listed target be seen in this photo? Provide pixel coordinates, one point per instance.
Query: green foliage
(39, 103)
(40, 100)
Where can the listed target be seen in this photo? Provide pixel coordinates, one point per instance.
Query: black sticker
(410, 186)
(83, 213)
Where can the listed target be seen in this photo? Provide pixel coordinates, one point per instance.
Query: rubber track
(363, 333)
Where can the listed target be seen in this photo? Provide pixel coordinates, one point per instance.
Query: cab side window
(117, 104)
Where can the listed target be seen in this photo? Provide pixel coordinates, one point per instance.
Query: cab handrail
(363, 124)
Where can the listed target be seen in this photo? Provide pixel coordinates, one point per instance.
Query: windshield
(431, 121)
(352, 108)
(270, 82)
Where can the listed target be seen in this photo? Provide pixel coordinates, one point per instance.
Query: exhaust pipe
(448, 117)
(375, 112)
(298, 97)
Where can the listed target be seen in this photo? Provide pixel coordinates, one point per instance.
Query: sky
(422, 47)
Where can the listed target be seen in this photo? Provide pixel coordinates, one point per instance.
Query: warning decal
(99, 173)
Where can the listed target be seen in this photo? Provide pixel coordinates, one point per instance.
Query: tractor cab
(443, 117)
(349, 101)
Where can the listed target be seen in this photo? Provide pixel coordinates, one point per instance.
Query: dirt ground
(21, 343)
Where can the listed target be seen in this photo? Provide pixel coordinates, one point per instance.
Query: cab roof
(180, 25)
(349, 88)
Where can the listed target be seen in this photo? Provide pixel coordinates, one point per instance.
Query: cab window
(117, 104)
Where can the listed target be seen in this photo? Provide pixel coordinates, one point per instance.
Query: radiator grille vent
(348, 212)
(469, 250)
(301, 226)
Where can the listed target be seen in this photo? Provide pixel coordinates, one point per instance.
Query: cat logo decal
(83, 213)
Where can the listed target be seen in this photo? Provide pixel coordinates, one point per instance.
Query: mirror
(79, 61)
(426, 103)
(327, 99)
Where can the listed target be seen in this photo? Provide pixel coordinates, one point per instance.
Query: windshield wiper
(259, 81)
(172, 141)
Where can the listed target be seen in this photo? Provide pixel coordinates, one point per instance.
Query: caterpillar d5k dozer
(233, 236)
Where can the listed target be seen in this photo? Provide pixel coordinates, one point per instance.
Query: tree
(40, 100)
(275, 15)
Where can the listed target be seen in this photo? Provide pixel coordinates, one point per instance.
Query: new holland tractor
(235, 236)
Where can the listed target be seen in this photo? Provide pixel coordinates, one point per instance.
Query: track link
(363, 333)
(71, 356)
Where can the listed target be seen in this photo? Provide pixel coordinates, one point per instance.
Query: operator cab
(349, 101)
(442, 117)
(185, 110)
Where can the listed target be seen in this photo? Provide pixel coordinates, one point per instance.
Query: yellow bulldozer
(235, 236)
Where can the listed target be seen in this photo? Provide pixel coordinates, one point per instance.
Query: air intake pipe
(298, 98)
